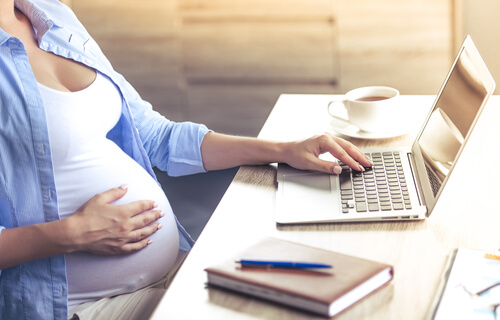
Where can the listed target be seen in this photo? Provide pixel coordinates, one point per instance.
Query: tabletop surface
(465, 216)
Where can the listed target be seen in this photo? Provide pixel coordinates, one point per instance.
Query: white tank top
(86, 163)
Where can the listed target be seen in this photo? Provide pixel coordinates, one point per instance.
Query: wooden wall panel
(270, 52)
(239, 55)
(213, 60)
(259, 41)
(406, 44)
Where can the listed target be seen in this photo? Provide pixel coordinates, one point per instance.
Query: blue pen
(281, 264)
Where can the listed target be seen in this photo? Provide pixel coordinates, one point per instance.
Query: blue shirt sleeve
(174, 147)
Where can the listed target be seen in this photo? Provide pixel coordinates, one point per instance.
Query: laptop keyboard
(382, 187)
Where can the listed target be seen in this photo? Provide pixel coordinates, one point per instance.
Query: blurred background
(225, 62)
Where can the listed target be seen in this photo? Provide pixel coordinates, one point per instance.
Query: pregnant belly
(91, 277)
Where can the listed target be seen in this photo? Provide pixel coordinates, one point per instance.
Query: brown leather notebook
(323, 291)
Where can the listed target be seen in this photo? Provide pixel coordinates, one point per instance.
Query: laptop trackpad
(308, 197)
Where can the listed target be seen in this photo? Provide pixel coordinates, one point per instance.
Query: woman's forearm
(223, 151)
(24, 244)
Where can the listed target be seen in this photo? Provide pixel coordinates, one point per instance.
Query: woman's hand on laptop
(304, 154)
(221, 151)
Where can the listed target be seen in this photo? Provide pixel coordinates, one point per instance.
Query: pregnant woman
(85, 229)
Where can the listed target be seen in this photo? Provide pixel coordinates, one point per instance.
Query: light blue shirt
(38, 289)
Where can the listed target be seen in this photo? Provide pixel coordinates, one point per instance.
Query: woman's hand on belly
(102, 228)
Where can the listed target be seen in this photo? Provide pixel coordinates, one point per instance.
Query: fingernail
(124, 186)
(361, 168)
(337, 170)
(150, 242)
(369, 160)
(159, 226)
(162, 214)
(155, 205)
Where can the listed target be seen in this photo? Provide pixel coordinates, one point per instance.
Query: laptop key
(358, 195)
(398, 206)
(361, 206)
(348, 197)
(345, 180)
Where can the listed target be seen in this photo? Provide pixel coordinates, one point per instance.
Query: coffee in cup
(371, 109)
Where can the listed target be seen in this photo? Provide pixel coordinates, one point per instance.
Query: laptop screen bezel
(423, 184)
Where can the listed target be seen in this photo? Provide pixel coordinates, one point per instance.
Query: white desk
(466, 215)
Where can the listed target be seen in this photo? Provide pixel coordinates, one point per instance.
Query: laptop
(403, 184)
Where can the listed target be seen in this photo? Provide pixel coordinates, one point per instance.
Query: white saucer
(352, 131)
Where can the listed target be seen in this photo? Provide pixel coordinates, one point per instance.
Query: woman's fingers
(305, 154)
(326, 166)
(145, 219)
(143, 233)
(134, 246)
(103, 228)
(111, 195)
(140, 214)
(130, 209)
(349, 154)
(138, 224)
(137, 207)
(139, 238)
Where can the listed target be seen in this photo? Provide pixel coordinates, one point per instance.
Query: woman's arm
(98, 227)
(223, 151)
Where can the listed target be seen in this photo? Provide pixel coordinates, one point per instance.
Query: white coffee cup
(371, 109)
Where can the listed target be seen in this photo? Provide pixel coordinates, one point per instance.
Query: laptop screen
(455, 111)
